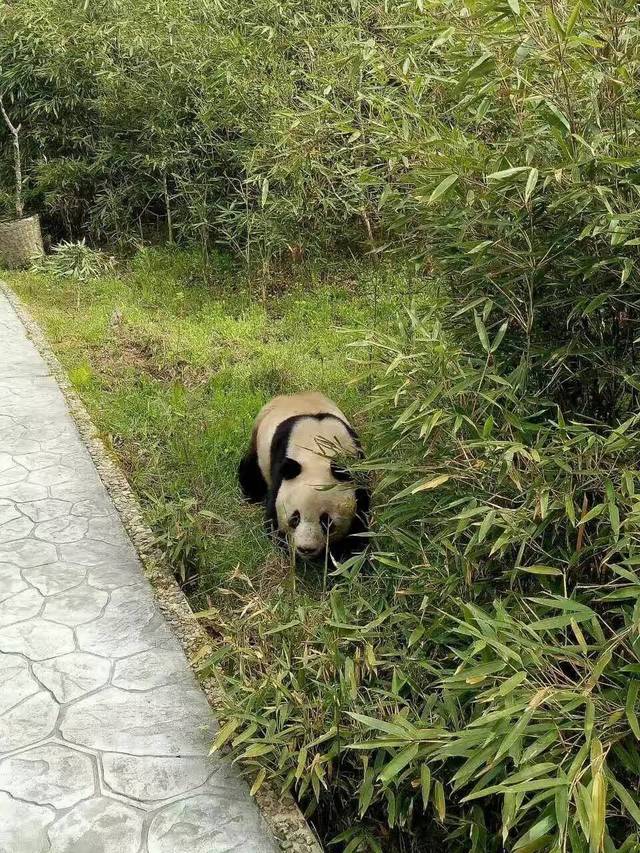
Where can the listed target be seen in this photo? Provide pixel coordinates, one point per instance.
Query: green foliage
(538, 219)
(75, 260)
(250, 123)
(480, 669)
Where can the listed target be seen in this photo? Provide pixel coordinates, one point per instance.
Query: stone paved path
(104, 732)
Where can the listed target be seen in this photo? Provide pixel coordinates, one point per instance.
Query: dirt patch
(128, 353)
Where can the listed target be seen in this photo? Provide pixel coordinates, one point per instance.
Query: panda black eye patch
(339, 472)
(294, 520)
(290, 469)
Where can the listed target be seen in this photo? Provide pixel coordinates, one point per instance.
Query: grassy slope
(174, 380)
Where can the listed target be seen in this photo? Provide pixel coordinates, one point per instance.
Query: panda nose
(307, 552)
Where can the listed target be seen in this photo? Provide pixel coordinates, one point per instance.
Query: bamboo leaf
(614, 517)
(425, 784)
(554, 622)
(602, 663)
(598, 811)
(225, 734)
(561, 803)
(257, 750)
(443, 187)
(486, 525)
(554, 22)
(439, 801)
(573, 17)
(541, 570)
(302, 761)
(374, 724)
(589, 718)
(521, 787)
(480, 66)
(594, 512)
(430, 484)
(367, 791)
(628, 801)
(480, 247)
(507, 173)
(511, 683)
(398, 763)
(416, 635)
(257, 784)
(482, 331)
(558, 118)
(630, 704)
(532, 180)
(498, 338)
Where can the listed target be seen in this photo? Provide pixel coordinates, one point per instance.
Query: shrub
(483, 665)
(532, 200)
(75, 260)
(473, 683)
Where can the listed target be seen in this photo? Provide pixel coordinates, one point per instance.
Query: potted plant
(20, 238)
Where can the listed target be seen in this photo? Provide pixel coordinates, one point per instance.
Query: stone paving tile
(116, 827)
(104, 732)
(28, 722)
(189, 825)
(157, 777)
(11, 580)
(20, 607)
(74, 675)
(49, 775)
(23, 826)
(16, 682)
(55, 577)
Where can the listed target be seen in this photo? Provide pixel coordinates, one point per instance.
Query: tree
(17, 165)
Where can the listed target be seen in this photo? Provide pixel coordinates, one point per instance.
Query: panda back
(289, 411)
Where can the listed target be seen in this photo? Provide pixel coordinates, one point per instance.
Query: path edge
(281, 813)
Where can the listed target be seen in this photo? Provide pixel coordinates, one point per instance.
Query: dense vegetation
(472, 682)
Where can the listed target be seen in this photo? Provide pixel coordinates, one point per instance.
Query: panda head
(315, 503)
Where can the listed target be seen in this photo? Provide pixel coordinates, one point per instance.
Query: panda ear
(340, 473)
(290, 469)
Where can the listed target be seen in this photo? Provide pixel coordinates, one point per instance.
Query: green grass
(173, 366)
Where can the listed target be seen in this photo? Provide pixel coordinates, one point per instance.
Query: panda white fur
(290, 466)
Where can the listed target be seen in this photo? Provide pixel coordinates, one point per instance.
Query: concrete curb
(281, 813)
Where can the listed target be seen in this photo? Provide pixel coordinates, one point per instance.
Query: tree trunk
(167, 204)
(17, 166)
(18, 173)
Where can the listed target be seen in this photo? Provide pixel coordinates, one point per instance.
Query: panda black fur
(289, 467)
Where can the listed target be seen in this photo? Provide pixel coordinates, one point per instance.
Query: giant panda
(311, 502)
